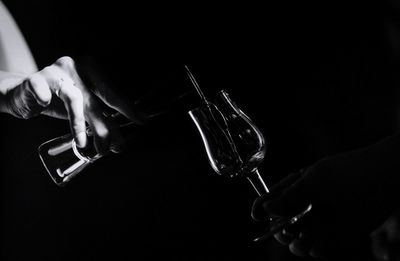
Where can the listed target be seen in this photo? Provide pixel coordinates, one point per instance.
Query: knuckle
(47, 71)
(79, 124)
(34, 83)
(65, 62)
(48, 74)
(33, 78)
(27, 84)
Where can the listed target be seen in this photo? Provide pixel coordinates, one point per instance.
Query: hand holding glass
(63, 159)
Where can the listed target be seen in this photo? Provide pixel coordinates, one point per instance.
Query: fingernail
(43, 103)
(81, 139)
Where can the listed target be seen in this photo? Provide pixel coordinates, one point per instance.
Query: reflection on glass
(234, 146)
(63, 159)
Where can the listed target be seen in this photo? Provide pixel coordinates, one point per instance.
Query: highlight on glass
(63, 160)
(235, 147)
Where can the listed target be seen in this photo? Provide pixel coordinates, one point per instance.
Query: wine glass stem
(257, 182)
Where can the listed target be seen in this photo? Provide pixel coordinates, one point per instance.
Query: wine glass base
(281, 223)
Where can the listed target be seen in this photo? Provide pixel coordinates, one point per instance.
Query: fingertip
(81, 139)
(44, 101)
(298, 248)
(257, 212)
(39, 88)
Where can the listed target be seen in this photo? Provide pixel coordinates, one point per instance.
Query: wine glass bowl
(221, 152)
(248, 139)
(234, 145)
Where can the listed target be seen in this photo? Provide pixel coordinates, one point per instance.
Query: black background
(318, 78)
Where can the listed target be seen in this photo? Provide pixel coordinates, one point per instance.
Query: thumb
(292, 200)
(258, 212)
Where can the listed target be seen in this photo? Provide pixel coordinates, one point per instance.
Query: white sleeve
(15, 55)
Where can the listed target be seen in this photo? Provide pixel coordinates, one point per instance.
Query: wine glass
(235, 147)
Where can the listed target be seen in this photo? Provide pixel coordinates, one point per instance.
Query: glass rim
(223, 91)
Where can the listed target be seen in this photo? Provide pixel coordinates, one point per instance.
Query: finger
(285, 182)
(73, 101)
(105, 130)
(258, 213)
(301, 246)
(293, 199)
(107, 136)
(100, 129)
(284, 237)
(295, 229)
(56, 109)
(22, 103)
(306, 224)
(39, 88)
(101, 126)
